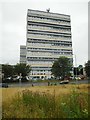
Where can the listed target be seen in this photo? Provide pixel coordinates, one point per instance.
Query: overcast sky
(13, 26)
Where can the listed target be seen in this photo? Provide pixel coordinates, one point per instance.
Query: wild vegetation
(66, 101)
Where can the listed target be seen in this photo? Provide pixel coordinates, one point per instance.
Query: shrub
(75, 105)
(28, 104)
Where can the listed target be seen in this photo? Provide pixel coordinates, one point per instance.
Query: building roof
(49, 12)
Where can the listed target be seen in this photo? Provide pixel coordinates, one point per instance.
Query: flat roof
(49, 12)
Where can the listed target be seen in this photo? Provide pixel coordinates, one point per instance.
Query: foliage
(23, 69)
(8, 70)
(61, 67)
(28, 104)
(87, 68)
(78, 70)
(75, 104)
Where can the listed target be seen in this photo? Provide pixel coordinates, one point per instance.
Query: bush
(28, 104)
(75, 105)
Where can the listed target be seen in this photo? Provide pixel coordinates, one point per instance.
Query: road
(80, 82)
(29, 84)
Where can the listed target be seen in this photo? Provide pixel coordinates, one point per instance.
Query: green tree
(8, 70)
(61, 67)
(23, 69)
(80, 68)
(87, 68)
(76, 71)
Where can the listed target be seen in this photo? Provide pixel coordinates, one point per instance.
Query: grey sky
(13, 26)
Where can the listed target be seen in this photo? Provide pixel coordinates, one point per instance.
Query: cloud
(14, 25)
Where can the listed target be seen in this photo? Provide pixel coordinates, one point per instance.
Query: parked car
(16, 78)
(64, 82)
(77, 78)
(7, 80)
(5, 85)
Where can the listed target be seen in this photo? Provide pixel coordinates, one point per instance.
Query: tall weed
(28, 104)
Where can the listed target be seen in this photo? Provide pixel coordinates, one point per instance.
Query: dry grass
(7, 93)
(0, 95)
(64, 101)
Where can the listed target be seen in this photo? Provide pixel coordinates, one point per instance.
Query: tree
(61, 67)
(80, 68)
(87, 68)
(22, 69)
(76, 71)
(8, 70)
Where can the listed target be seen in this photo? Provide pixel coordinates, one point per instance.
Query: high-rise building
(48, 38)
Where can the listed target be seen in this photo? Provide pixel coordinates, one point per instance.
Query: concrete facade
(48, 38)
(22, 54)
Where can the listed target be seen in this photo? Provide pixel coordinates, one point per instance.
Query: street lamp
(75, 65)
(20, 79)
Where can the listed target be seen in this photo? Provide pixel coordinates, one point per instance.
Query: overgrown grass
(28, 104)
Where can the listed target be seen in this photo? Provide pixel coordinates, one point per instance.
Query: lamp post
(75, 65)
(20, 79)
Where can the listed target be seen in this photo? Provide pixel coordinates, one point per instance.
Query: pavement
(29, 84)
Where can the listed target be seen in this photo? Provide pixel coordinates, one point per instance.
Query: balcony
(46, 48)
(46, 57)
(41, 65)
(48, 21)
(48, 37)
(48, 29)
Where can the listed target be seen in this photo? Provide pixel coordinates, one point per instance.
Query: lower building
(22, 54)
